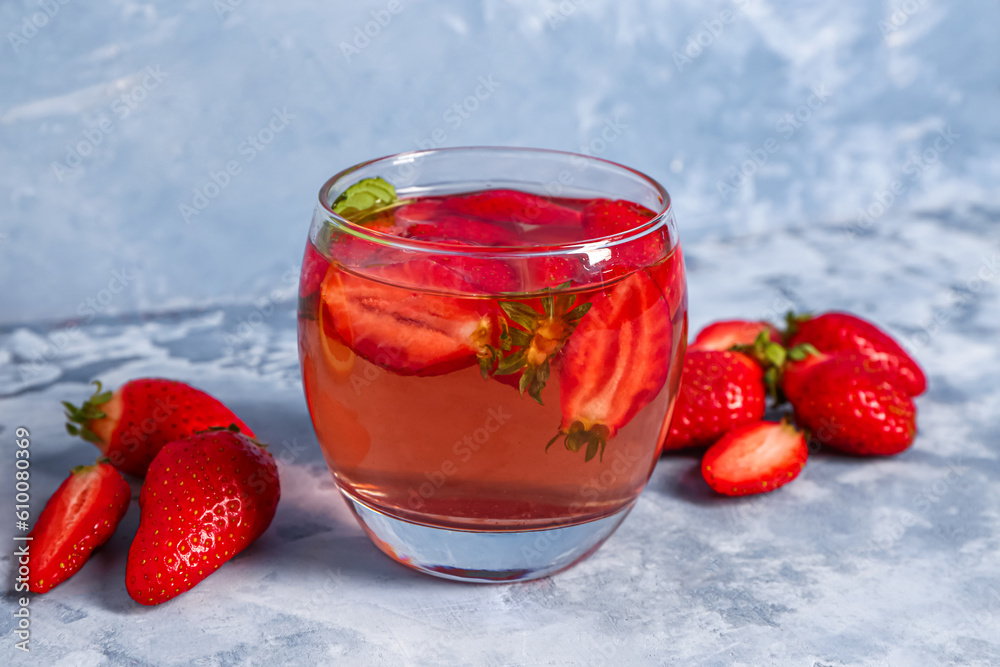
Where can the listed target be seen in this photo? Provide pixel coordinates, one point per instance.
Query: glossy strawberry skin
(719, 391)
(854, 410)
(145, 414)
(390, 321)
(617, 360)
(843, 332)
(79, 517)
(794, 374)
(755, 458)
(725, 334)
(205, 499)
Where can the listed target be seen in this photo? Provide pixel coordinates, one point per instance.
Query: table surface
(868, 137)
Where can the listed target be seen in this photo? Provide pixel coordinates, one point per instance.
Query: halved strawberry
(79, 517)
(389, 320)
(755, 458)
(843, 332)
(512, 206)
(723, 335)
(131, 425)
(615, 363)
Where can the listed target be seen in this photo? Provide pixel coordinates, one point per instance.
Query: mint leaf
(364, 198)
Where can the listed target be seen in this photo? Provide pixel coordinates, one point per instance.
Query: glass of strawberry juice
(491, 343)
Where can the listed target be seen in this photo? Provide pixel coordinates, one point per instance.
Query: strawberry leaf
(520, 338)
(775, 353)
(512, 363)
(527, 378)
(521, 314)
(577, 313)
(801, 351)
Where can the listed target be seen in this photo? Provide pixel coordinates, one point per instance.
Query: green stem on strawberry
(529, 339)
(792, 322)
(774, 358)
(78, 418)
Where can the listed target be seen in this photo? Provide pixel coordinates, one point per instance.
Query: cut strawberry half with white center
(755, 458)
(387, 319)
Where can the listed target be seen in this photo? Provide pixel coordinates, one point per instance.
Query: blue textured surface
(888, 562)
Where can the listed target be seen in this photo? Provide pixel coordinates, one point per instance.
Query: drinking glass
(491, 344)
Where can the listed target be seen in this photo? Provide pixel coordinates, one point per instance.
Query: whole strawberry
(719, 391)
(855, 409)
(205, 499)
(843, 332)
(132, 424)
(79, 517)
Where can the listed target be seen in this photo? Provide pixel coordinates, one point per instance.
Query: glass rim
(661, 218)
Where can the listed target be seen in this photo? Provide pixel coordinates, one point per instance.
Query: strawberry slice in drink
(512, 206)
(431, 220)
(606, 217)
(388, 318)
(615, 363)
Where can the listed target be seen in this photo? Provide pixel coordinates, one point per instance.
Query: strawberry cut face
(81, 516)
(404, 329)
(755, 458)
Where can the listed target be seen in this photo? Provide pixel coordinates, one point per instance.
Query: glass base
(484, 556)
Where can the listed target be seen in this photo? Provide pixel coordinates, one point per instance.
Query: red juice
(486, 390)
